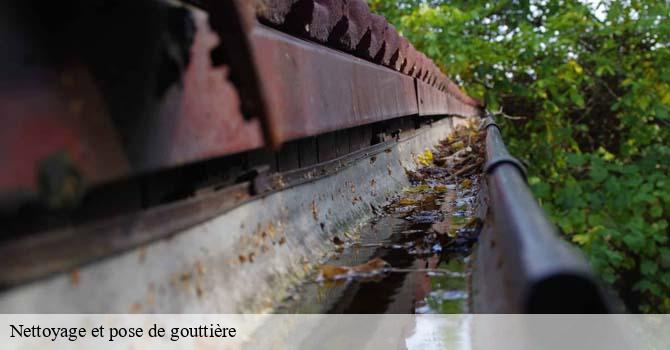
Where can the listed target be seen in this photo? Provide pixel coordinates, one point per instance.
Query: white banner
(335, 331)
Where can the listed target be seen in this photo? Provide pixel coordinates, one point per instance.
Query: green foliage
(593, 83)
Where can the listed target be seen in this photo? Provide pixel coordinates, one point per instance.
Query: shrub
(591, 83)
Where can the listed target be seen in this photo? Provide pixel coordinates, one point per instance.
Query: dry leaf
(425, 158)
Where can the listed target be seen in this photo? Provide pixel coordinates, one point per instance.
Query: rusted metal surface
(102, 125)
(41, 120)
(313, 89)
(171, 85)
(461, 96)
(348, 25)
(233, 21)
(431, 101)
(49, 112)
(435, 102)
(198, 119)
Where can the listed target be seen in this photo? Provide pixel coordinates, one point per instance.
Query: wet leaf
(457, 146)
(418, 189)
(408, 201)
(414, 176)
(332, 272)
(373, 266)
(442, 161)
(474, 222)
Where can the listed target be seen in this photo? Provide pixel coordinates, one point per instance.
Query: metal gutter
(522, 265)
(187, 257)
(65, 248)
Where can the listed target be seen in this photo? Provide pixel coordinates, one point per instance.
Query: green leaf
(576, 98)
(648, 267)
(662, 112)
(656, 211)
(598, 173)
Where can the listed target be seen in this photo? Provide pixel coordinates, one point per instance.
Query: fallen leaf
(333, 272)
(440, 161)
(425, 158)
(453, 233)
(418, 189)
(457, 145)
(373, 266)
(474, 222)
(440, 188)
(408, 201)
(412, 175)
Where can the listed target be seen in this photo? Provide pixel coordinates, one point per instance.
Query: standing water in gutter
(412, 257)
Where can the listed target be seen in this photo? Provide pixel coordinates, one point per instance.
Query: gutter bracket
(506, 158)
(489, 121)
(490, 166)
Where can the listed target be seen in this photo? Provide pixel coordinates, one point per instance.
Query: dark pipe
(542, 273)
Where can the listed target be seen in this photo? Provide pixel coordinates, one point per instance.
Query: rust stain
(271, 230)
(200, 268)
(136, 308)
(151, 295)
(74, 278)
(185, 277)
(142, 254)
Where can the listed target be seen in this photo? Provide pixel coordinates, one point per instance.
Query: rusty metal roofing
(348, 25)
